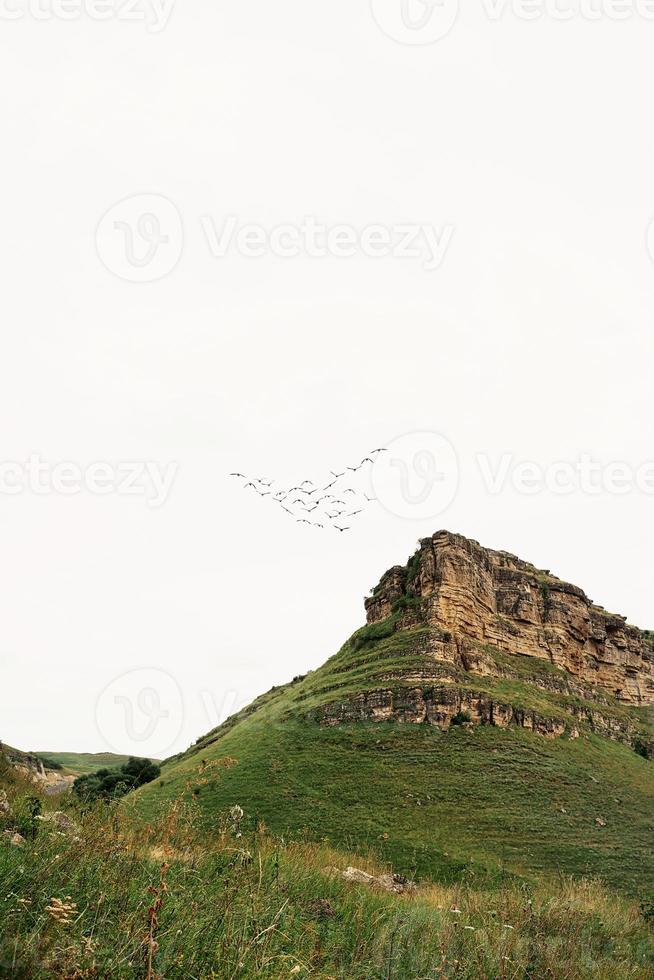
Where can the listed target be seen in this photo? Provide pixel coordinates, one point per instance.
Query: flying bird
(309, 497)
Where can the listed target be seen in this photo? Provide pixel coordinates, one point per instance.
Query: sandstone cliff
(472, 596)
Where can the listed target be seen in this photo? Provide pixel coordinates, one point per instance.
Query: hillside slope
(487, 718)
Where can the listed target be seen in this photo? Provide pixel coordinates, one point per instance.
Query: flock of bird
(332, 505)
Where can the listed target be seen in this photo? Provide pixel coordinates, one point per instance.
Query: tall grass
(169, 900)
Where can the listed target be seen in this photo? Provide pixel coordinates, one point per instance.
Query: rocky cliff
(470, 598)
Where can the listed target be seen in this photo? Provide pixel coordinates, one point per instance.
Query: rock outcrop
(398, 884)
(442, 707)
(470, 597)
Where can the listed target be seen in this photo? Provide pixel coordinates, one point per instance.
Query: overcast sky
(518, 154)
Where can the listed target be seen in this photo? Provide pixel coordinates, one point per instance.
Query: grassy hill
(472, 803)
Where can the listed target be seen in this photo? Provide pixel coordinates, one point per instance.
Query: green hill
(82, 763)
(551, 777)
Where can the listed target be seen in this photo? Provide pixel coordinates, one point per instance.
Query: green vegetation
(478, 801)
(406, 602)
(413, 567)
(82, 762)
(532, 856)
(167, 899)
(111, 784)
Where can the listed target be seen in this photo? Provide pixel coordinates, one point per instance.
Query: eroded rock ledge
(444, 706)
(470, 596)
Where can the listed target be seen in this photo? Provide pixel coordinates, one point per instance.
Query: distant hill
(488, 719)
(82, 763)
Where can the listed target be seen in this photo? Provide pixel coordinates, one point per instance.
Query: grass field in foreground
(168, 900)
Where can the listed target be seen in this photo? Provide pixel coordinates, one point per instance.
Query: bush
(647, 908)
(111, 784)
(406, 602)
(373, 633)
(26, 812)
(461, 718)
(50, 763)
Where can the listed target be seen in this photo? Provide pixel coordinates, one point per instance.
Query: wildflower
(61, 911)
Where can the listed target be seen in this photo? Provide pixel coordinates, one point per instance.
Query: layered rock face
(472, 596)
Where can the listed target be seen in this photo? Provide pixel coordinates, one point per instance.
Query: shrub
(406, 602)
(647, 907)
(461, 718)
(111, 784)
(373, 633)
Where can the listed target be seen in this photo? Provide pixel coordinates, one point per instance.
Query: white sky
(533, 140)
